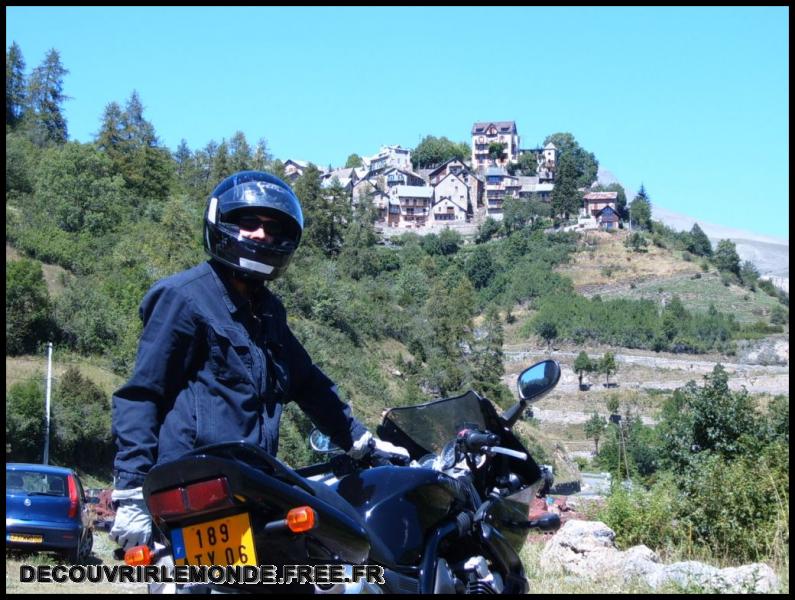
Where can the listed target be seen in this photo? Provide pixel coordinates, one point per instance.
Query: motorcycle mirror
(322, 443)
(537, 380)
(533, 383)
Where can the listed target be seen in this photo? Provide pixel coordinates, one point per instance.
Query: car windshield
(434, 424)
(33, 483)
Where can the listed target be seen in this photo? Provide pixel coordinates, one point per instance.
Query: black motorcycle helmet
(260, 193)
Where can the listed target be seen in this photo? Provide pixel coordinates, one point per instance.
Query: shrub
(778, 316)
(81, 424)
(636, 242)
(644, 516)
(87, 317)
(25, 420)
(28, 308)
(739, 508)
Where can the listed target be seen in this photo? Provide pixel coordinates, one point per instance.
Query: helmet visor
(258, 195)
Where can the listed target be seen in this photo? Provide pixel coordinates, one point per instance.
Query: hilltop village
(459, 194)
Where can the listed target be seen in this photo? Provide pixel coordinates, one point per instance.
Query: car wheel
(89, 545)
(80, 553)
(73, 556)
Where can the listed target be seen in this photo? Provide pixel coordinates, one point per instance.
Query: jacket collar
(233, 299)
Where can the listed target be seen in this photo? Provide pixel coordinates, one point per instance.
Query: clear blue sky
(691, 102)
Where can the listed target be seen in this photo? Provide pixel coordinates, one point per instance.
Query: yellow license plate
(226, 541)
(29, 539)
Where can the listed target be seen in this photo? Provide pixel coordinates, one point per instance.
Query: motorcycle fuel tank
(399, 506)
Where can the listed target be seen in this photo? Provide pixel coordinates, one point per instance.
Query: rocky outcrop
(587, 549)
(767, 351)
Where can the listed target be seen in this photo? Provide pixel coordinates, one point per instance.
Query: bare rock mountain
(769, 254)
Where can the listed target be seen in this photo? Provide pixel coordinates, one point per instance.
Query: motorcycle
(450, 521)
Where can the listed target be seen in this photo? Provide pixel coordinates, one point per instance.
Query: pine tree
(640, 210)
(327, 212)
(15, 85)
(726, 257)
(182, 158)
(480, 267)
(131, 143)
(221, 168)
(205, 159)
(110, 138)
(240, 153)
(139, 132)
(566, 200)
(699, 242)
(45, 91)
(488, 359)
(262, 157)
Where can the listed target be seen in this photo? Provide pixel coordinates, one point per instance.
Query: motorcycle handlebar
(380, 458)
(475, 440)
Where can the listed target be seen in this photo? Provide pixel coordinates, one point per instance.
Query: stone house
(499, 185)
(486, 133)
(454, 190)
(593, 202)
(415, 204)
(456, 167)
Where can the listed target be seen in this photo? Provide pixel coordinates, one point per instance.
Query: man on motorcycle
(217, 361)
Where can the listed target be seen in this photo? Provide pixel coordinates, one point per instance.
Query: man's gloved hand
(368, 444)
(133, 525)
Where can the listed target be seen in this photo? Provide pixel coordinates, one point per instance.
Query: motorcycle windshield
(430, 426)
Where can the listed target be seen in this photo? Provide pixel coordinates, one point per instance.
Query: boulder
(584, 548)
(756, 578)
(772, 350)
(587, 549)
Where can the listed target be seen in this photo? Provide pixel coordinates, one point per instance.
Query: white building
(415, 204)
(453, 190)
(388, 156)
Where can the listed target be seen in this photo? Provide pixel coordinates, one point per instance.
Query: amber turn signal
(138, 555)
(301, 519)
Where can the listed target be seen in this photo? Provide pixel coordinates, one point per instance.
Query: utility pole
(49, 388)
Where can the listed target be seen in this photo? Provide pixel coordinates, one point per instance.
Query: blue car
(47, 509)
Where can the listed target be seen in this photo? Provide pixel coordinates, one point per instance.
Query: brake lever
(492, 450)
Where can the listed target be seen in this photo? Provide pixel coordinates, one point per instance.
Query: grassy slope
(698, 294)
(54, 276)
(602, 251)
(20, 368)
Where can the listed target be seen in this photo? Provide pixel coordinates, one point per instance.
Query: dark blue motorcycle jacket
(212, 367)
